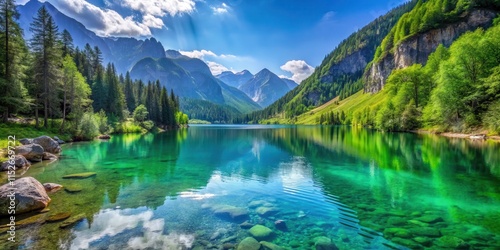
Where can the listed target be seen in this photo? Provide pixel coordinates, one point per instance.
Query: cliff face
(351, 64)
(418, 48)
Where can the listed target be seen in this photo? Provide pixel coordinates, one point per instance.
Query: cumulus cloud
(300, 70)
(221, 9)
(104, 22)
(160, 8)
(201, 54)
(152, 21)
(216, 68)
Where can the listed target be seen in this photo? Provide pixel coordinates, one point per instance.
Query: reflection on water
(204, 187)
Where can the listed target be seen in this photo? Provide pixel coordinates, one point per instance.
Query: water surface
(362, 189)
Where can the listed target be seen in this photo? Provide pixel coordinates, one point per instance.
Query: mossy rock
(426, 231)
(261, 232)
(430, 219)
(72, 220)
(80, 175)
(271, 246)
(324, 243)
(267, 211)
(73, 188)
(58, 217)
(249, 243)
(451, 242)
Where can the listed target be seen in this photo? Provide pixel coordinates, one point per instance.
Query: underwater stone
(267, 211)
(249, 243)
(430, 219)
(324, 243)
(396, 221)
(58, 217)
(271, 246)
(72, 220)
(52, 187)
(260, 232)
(425, 241)
(80, 175)
(405, 242)
(281, 225)
(426, 231)
(451, 242)
(246, 225)
(73, 188)
(230, 211)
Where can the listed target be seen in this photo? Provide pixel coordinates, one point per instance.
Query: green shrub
(88, 127)
(492, 117)
(102, 122)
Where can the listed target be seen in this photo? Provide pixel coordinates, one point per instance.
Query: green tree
(140, 113)
(47, 55)
(76, 92)
(67, 44)
(128, 90)
(115, 101)
(12, 53)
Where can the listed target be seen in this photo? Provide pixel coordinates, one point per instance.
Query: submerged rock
(249, 243)
(52, 187)
(281, 225)
(32, 152)
(451, 242)
(426, 231)
(80, 175)
(48, 144)
(271, 246)
(228, 211)
(267, 211)
(246, 225)
(261, 232)
(58, 217)
(260, 203)
(72, 220)
(73, 188)
(406, 242)
(19, 162)
(29, 195)
(324, 243)
(430, 219)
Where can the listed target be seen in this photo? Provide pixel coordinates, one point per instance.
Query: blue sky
(286, 36)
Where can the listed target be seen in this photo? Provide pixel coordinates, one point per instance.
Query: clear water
(362, 189)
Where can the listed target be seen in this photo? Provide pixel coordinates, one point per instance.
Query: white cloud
(152, 21)
(201, 54)
(216, 68)
(300, 70)
(221, 10)
(328, 16)
(160, 8)
(105, 22)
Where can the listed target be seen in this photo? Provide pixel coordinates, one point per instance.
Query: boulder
(104, 137)
(59, 140)
(26, 141)
(19, 162)
(52, 187)
(32, 152)
(249, 243)
(49, 157)
(48, 144)
(232, 212)
(261, 232)
(28, 194)
(324, 243)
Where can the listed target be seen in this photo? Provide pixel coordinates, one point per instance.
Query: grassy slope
(349, 105)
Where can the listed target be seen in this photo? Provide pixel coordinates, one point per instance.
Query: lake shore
(469, 136)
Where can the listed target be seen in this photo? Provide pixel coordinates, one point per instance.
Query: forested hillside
(57, 85)
(340, 72)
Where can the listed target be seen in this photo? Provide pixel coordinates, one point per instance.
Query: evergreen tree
(47, 58)
(128, 90)
(12, 51)
(166, 107)
(67, 44)
(99, 91)
(115, 101)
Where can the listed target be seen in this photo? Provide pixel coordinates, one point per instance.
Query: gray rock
(32, 152)
(59, 140)
(48, 144)
(29, 195)
(19, 162)
(52, 187)
(26, 141)
(49, 157)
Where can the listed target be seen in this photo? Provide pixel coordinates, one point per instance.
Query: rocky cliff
(350, 65)
(417, 48)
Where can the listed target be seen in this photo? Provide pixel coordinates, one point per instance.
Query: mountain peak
(174, 54)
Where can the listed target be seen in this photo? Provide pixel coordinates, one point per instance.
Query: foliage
(88, 128)
(140, 113)
(492, 117)
(102, 122)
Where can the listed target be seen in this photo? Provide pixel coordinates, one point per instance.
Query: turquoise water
(197, 188)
